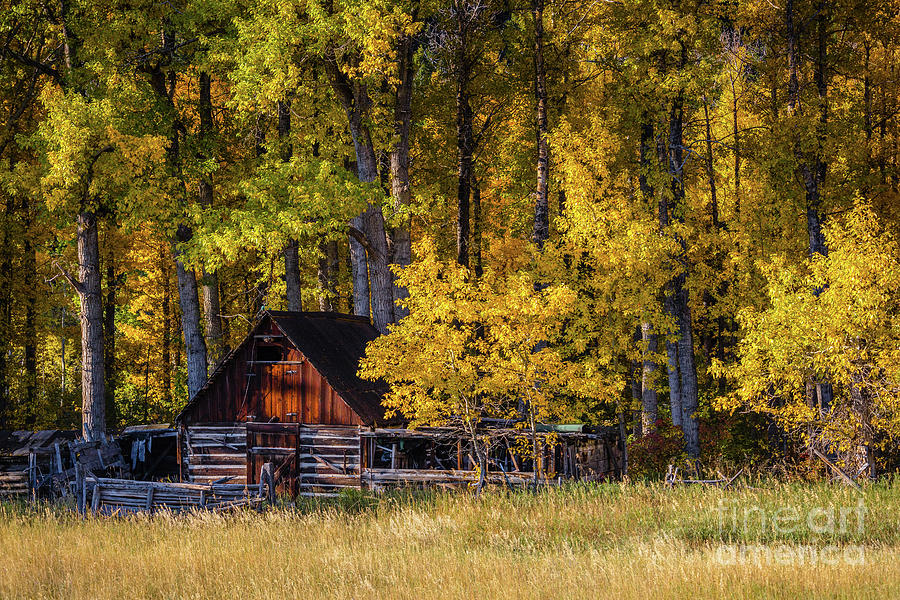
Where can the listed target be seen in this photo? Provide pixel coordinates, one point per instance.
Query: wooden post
(83, 492)
(149, 502)
(295, 484)
(394, 456)
(843, 476)
(249, 443)
(31, 473)
(179, 439)
(512, 456)
(539, 460)
(267, 480)
(59, 465)
(95, 499)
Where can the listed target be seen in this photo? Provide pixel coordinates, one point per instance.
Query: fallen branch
(846, 478)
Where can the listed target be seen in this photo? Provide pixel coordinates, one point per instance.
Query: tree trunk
(477, 228)
(164, 84)
(370, 263)
(194, 344)
(109, 334)
(688, 372)
(710, 168)
(793, 57)
(31, 375)
(93, 388)
(292, 249)
(329, 264)
(812, 165)
(167, 364)
(382, 289)
(88, 286)
(686, 367)
(464, 148)
(359, 270)
(649, 400)
(669, 301)
(401, 242)
(212, 317)
(292, 276)
(465, 142)
(637, 426)
(211, 304)
(674, 384)
(541, 206)
(6, 302)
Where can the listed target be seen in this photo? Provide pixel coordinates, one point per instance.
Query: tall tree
(368, 244)
(541, 204)
(401, 242)
(212, 312)
(88, 283)
(292, 249)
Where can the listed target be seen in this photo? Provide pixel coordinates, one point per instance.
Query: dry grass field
(607, 541)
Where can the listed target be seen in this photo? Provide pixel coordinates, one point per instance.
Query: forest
(677, 217)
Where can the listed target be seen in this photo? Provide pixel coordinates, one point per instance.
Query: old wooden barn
(289, 395)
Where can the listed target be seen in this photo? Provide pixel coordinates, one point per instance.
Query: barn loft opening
(269, 353)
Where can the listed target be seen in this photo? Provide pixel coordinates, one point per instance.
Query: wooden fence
(101, 495)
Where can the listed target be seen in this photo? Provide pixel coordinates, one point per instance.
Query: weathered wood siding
(288, 390)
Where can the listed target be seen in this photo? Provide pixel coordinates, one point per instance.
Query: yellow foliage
(832, 320)
(472, 348)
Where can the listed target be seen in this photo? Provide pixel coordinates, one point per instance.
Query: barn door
(309, 460)
(275, 443)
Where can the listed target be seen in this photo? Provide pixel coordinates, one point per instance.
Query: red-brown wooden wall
(274, 390)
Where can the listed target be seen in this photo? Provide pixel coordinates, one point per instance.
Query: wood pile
(672, 479)
(27, 458)
(14, 483)
(100, 456)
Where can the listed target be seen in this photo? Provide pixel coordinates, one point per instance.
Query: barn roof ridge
(318, 314)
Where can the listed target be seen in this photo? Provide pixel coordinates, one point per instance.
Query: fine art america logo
(829, 522)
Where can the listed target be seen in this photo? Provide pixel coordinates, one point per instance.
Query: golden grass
(609, 541)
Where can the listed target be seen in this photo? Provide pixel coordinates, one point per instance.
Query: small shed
(292, 368)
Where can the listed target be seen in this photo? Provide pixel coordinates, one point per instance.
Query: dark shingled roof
(333, 343)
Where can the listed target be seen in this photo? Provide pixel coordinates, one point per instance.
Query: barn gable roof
(333, 343)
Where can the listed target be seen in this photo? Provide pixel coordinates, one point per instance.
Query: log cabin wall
(268, 379)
